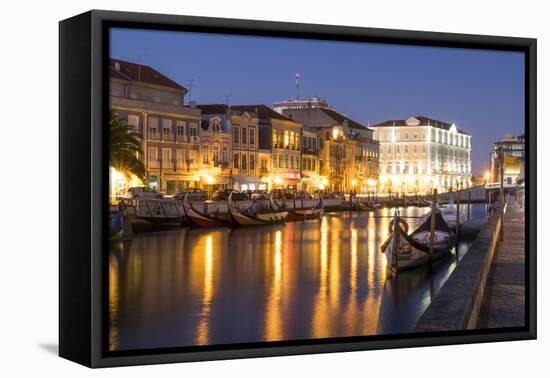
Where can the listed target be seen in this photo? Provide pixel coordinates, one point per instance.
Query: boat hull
(404, 251)
(203, 221)
(259, 219)
(304, 214)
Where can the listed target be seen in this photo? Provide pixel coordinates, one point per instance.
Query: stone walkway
(504, 299)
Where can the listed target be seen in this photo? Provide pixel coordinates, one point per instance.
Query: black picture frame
(83, 159)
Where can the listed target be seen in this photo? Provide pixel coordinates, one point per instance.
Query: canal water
(300, 280)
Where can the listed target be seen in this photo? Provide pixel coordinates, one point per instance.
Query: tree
(125, 148)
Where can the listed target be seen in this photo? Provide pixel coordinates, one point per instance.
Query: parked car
(325, 193)
(194, 195)
(282, 194)
(304, 195)
(259, 195)
(222, 195)
(142, 192)
(256, 194)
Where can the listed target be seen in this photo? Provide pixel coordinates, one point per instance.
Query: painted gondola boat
(116, 226)
(369, 206)
(202, 219)
(407, 251)
(304, 213)
(247, 218)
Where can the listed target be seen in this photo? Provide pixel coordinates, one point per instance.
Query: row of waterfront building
(301, 144)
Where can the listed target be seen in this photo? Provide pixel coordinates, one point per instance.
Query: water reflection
(313, 279)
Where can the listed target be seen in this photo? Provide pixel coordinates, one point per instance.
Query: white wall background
(29, 186)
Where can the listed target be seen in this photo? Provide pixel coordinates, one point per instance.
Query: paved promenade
(504, 299)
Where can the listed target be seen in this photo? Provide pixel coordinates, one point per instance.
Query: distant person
(253, 209)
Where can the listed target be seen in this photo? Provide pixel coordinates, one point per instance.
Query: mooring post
(469, 203)
(501, 194)
(457, 225)
(395, 254)
(127, 231)
(432, 226)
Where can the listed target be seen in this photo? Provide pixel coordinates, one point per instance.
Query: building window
(275, 137)
(274, 162)
(406, 149)
(286, 139)
(286, 161)
(252, 164)
(205, 152)
(224, 154)
(180, 158)
(216, 150)
(236, 161)
(235, 136)
(397, 149)
(167, 129)
(243, 163)
(153, 127)
(166, 157)
(243, 137)
(291, 161)
(263, 165)
(193, 131)
(414, 149)
(180, 130)
(152, 156)
(133, 120)
(281, 161)
(252, 140)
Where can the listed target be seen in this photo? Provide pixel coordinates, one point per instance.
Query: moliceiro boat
(303, 213)
(203, 219)
(116, 226)
(404, 251)
(366, 206)
(253, 215)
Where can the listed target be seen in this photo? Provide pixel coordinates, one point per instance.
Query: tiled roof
(263, 111)
(139, 72)
(212, 108)
(340, 118)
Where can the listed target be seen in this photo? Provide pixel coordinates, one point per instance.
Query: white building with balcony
(419, 154)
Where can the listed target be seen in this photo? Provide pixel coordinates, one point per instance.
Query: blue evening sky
(482, 92)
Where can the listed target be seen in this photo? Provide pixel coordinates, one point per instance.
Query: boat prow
(404, 251)
(201, 219)
(241, 218)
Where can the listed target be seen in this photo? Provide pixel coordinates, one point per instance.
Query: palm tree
(125, 148)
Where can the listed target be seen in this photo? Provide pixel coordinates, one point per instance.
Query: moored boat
(254, 216)
(449, 214)
(203, 219)
(304, 213)
(116, 226)
(404, 251)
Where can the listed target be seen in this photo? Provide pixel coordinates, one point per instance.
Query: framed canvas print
(234, 188)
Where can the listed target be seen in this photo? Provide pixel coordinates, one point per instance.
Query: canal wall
(477, 194)
(458, 303)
